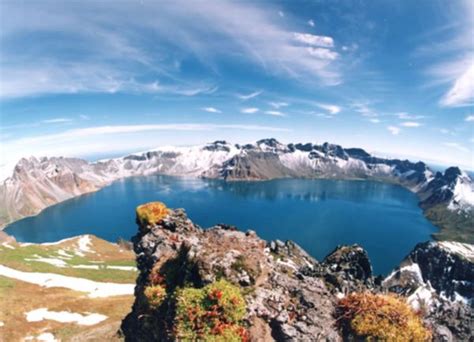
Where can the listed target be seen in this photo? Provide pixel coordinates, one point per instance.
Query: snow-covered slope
(435, 272)
(39, 183)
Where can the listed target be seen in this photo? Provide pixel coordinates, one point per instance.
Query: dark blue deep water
(318, 214)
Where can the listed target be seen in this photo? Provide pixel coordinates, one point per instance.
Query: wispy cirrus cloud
(364, 109)
(451, 58)
(278, 105)
(330, 108)
(406, 116)
(57, 120)
(274, 113)
(460, 74)
(252, 95)
(249, 110)
(211, 110)
(394, 130)
(314, 40)
(456, 146)
(93, 52)
(410, 124)
(469, 118)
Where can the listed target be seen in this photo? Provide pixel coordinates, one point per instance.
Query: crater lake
(317, 214)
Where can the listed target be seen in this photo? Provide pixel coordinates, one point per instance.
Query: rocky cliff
(191, 279)
(447, 198)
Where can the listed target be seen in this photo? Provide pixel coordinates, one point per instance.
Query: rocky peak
(357, 153)
(218, 145)
(271, 145)
(438, 279)
(288, 295)
(281, 302)
(451, 174)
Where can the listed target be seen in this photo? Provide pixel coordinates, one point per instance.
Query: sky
(101, 78)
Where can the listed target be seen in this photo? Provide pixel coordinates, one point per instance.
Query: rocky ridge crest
(289, 295)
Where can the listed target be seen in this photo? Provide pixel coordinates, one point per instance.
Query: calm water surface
(318, 214)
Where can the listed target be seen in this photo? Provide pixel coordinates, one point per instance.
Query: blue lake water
(317, 214)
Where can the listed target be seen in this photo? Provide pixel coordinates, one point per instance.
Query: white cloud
(394, 130)
(461, 92)
(410, 124)
(211, 110)
(278, 105)
(364, 109)
(84, 117)
(250, 110)
(57, 120)
(456, 146)
(246, 97)
(274, 113)
(351, 48)
(314, 40)
(406, 116)
(121, 129)
(374, 120)
(332, 109)
(323, 53)
(311, 22)
(73, 78)
(469, 118)
(281, 14)
(116, 61)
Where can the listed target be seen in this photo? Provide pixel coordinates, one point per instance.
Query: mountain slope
(76, 289)
(447, 198)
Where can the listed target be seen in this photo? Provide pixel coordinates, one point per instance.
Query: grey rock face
(289, 295)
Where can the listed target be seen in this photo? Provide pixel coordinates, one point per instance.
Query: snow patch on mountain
(37, 183)
(463, 193)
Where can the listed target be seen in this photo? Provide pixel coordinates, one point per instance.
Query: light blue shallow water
(317, 214)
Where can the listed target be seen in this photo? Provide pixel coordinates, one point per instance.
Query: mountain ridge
(288, 295)
(37, 183)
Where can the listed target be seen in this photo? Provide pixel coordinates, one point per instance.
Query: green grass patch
(17, 259)
(453, 225)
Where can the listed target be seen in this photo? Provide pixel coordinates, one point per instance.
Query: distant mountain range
(446, 198)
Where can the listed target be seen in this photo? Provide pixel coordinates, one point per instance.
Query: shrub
(380, 317)
(212, 313)
(156, 278)
(151, 213)
(155, 295)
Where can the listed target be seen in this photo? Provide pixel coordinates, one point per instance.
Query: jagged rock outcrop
(282, 304)
(448, 199)
(348, 269)
(438, 279)
(289, 296)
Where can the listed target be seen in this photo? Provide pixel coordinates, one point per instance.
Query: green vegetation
(91, 266)
(212, 313)
(380, 318)
(155, 295)
(151, 213)
(453, 225)
(5, 285)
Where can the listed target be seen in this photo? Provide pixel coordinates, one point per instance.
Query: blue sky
(90, 79)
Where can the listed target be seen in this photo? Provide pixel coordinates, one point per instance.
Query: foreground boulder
(232, 285)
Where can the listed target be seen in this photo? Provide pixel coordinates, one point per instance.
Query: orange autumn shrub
(376, 317)
(151, 213)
